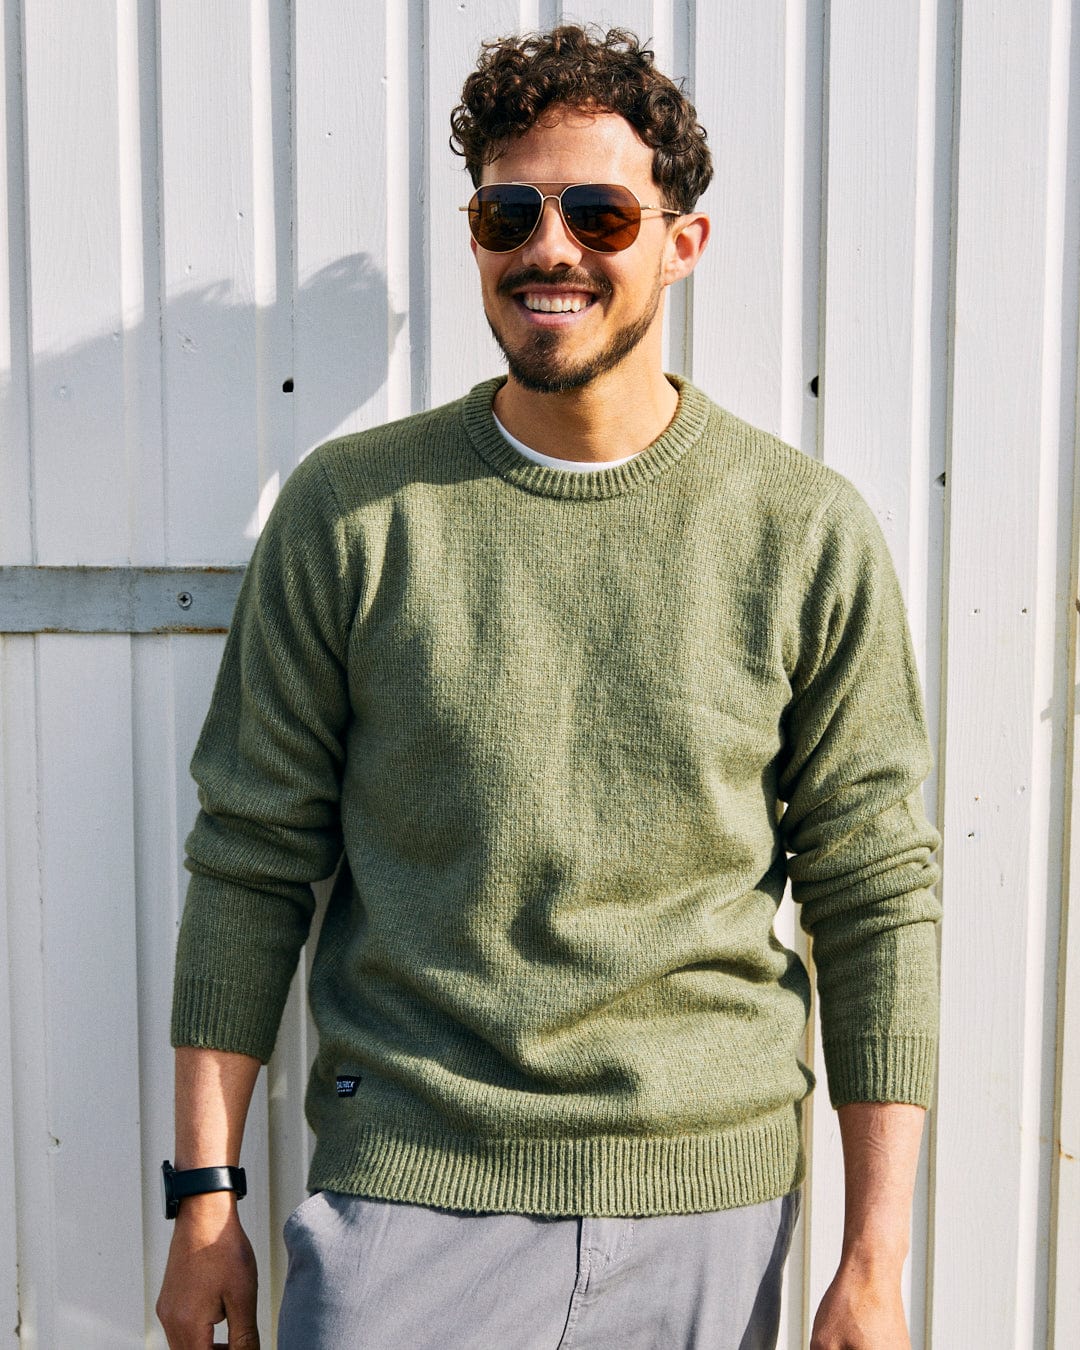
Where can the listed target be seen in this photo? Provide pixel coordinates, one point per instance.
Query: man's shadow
(219, 400)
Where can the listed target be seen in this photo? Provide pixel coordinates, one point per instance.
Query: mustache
(571, 278)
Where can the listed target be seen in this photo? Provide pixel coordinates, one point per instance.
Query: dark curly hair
(518, 78)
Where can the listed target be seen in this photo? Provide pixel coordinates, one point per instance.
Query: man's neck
(604, 420)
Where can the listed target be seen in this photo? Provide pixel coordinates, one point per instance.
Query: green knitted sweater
(570, 733)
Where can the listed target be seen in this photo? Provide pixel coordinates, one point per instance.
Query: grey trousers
(388, 1276)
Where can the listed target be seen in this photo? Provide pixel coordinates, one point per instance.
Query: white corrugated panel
(230, 234)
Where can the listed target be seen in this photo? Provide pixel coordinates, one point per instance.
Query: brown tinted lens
(502, 217)
(602, 216)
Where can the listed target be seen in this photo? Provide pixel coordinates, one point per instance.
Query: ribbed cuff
(214, 1015)
(881, 1069)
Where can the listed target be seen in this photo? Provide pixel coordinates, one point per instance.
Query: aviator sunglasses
(602, 217)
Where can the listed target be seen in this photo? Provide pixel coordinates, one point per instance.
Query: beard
(537, 364)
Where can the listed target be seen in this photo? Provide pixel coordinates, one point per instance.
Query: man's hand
(862, 1308)
(861, 1311)
(210, 1276)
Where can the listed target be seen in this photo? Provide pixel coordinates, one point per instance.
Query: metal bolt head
(184, 599)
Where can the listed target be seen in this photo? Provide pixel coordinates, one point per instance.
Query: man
(574, 673)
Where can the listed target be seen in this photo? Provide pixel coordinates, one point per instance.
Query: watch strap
(178, 1186)
(199, 1180)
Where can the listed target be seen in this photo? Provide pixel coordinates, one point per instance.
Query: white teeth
(555, 304)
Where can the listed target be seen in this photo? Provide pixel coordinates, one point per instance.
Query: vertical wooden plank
(34, 1197)
(83, 139)
(209, 265)
(738, 294)
(639, 16)
(804, 131)
(273, 193)
(876, 281)
(17, 835)
(1064, 1290)
(74, 243)
(1064, 1293)
(880, 236)
(345, 325)
(156, 829)
(15, 469)
(91, 1126)
(17, 858)
(138, 274)
(1004, 717)
(404, 260)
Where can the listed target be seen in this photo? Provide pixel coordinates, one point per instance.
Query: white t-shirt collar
(551, 462)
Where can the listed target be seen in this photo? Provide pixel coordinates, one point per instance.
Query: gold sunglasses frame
(557, 197)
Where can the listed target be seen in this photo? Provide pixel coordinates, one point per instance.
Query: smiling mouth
(548, 302)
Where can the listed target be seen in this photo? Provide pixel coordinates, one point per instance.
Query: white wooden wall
(204, 201)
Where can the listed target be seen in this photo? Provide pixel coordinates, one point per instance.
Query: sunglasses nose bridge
(541, 237)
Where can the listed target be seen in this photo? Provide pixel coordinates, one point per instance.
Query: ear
(684, 246)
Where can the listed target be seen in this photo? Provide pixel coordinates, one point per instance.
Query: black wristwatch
(176, 1186)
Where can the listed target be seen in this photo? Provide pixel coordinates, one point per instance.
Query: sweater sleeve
(856, 754)
(268, 766)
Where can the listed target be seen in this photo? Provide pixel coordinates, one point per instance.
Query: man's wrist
(876, 1254)
(209, 1205)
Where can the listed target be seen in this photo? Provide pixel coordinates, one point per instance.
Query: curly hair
(518, 78)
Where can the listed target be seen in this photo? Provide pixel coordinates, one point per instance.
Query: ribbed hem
(213, 1015)
(881, 1069)
(607, 1175)
(684, 431)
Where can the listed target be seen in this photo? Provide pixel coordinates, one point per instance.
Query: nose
(551, 244)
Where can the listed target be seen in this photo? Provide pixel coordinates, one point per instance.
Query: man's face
(620, 317)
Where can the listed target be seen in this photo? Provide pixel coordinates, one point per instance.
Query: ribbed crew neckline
(682, 433)
(570, 465)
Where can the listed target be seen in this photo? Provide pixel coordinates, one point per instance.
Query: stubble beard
(538, 365)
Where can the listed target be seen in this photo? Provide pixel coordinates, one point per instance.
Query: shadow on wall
(205, 417)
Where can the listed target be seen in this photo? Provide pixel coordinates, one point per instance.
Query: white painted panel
(34, 1196)
(157, 913)
(738, 300)
(1064, 1311)
(74, 243)
(274, 228)
(141, 432)
(345, 325)
(15, 499)
(17, 792)
(1064, 1292)
(404, 257)
(639, 16)
(208, 265)
(91, 1124)
(1004, 716)
(874, 363)
(874, 423)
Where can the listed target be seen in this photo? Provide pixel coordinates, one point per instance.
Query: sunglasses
(602, 217)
